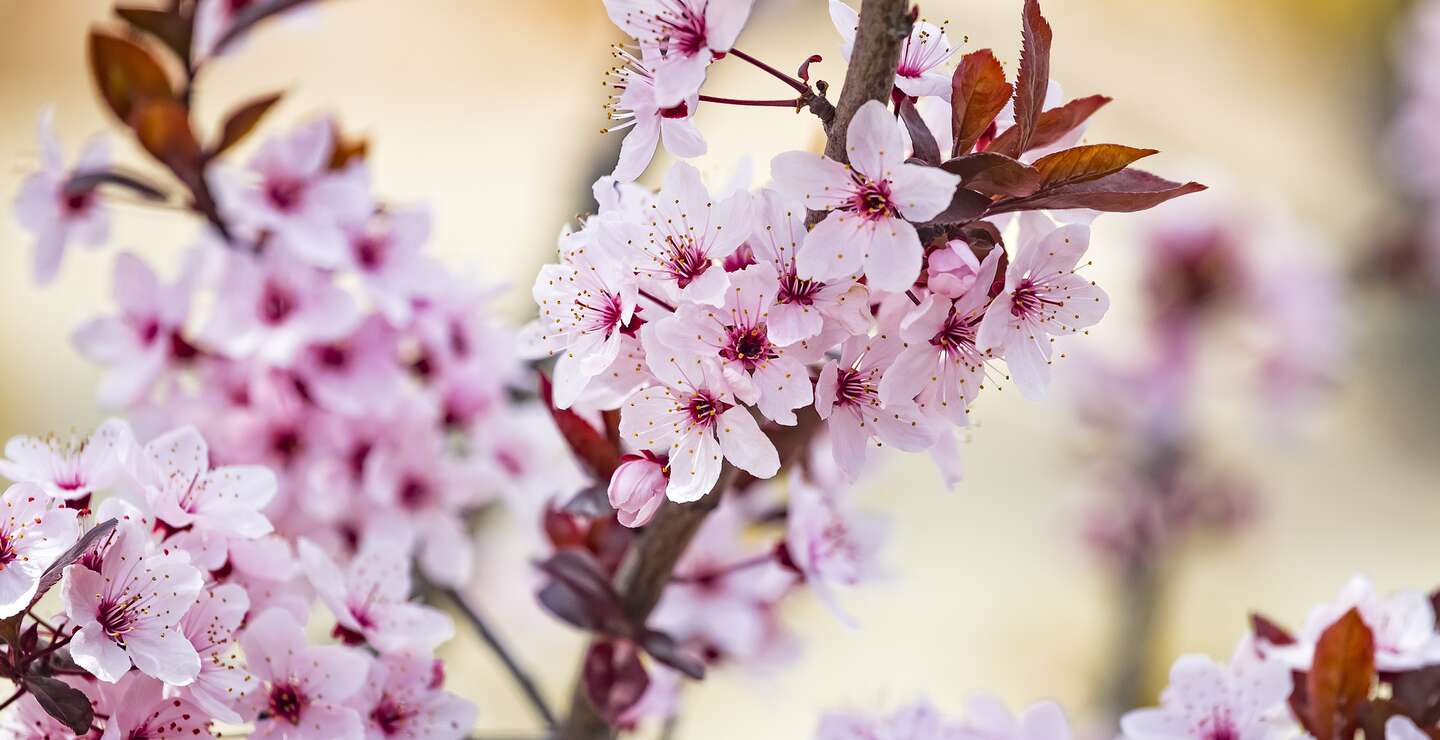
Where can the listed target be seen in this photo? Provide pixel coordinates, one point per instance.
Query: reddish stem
(657, 301)
(710, 575)
(791, 103)
(795, 84)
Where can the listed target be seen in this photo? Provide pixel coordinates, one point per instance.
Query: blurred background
(490, 111)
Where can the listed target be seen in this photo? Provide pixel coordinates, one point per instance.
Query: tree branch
(522, 678)
(884, 25)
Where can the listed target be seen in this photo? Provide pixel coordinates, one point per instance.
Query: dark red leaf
(62, 701)
(595, 448)
(163, 128)
(1340, 678)
(241, 121)
(592, 603)
(994, 174)
(126, 74)
(1125, 191)
(965, 206)
(1088, 162)
(52, 575)
(663, 648)
(1053, 124)
(1417, 694)
(614, 678)
(978, 94)
(921, 140)
(167, 26)
(1269, 631)
(1033, 80)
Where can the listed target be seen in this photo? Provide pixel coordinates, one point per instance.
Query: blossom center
(369, 251)
(414, 493)
(704, 409)
(680, 27)
(872, 200)
(684, 261)
(1027, 300)
(797, 290)
(749, 346)
(7, 550)
(853, 388)
(955, 335)
(284, 193)
(286, 702)
(77, 203)
(116, 618)
(601, 315)
(391, 715)
(277, 302)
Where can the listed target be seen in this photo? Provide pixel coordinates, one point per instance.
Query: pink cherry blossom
(298, 199)
(140, 709)
(385, 250)
(802, 307)
(847, 395)
(987, 718)
(33, 533)
(356, 374)
(211, 626)
(145, 339)
(950, 272)
(54, 214)
(921, 55)
(418, 485)
(941, 366)
(831, 543)
(637, 488)
(721, 612)
(871, 202)
(693, 417)
(209, 507)
(72, 468)
(129, 611)
(649, 124)
(1043, 298)
(1403, 624)
(689, 33)
(271, 306)
(1206, 701)
(586, 301)
(302, 689)
(684, 232)
(402, 699)
(369, 597)
(736, 336)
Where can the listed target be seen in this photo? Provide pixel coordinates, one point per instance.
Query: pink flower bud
(952, 271)
(637, 488)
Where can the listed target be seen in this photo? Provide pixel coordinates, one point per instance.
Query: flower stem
(745, 564)
(663, 304)
(482, 628)
(791, 103)
(13, 698)
(795, 84)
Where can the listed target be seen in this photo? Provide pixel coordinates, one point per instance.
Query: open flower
(271, 306)
(210, 626)
(801, 306)
(144, 339)
(941, 367)
(1206, 701)
(55, 213)
(1043, 298)
(369, 598)
(689, 34)
(385, 252)
(635, 105)
(736, 336)
(73, 468)
(693, 417)
(139, 708)
(921, 55)
(847, 395)
(830, 543)
(871, 202)
(33, 533)
(129, 611)
(586, 301)
(1403, 624)
(298, 199)
(685, 232)
(302, 689)
(402, 698)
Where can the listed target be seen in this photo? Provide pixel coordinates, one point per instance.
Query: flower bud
(952, 271)
(637, 488)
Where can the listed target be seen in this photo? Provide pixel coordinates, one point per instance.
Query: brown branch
(884, 25)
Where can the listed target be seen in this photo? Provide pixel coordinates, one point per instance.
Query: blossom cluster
(182, 607)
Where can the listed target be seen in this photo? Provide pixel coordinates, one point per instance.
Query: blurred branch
(521, 676)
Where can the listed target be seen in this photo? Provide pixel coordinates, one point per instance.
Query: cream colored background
(489, 112)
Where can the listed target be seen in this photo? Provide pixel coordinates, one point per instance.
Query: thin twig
(794, 103)
(13, 698)
(527, 684)
(797, 85)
